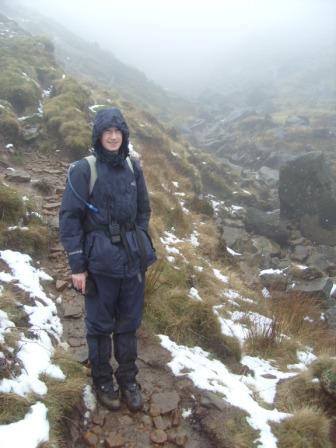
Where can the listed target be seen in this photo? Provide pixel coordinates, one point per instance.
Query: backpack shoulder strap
(130, 164)
(93, 171)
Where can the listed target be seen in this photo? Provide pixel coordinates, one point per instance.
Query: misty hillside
(238, 342)
(87, 60)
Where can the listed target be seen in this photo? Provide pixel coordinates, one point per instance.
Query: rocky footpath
(175, 412)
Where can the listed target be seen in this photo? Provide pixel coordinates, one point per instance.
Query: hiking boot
(108, 395)
(132, 396)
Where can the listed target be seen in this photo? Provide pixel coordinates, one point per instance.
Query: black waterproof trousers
(113, 306)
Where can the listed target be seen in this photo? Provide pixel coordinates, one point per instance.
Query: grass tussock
(314, 387)
(170, 311)
(11, 205)
(293, 321)
(14, 309)
(33, 241)
(266, 339)
(63, 396)
(13, 408)
(307, 428)
(300, 319)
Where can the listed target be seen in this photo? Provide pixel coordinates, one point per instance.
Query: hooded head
(110, 118)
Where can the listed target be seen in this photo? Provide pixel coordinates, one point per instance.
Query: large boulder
(267, 224)
(307, 187)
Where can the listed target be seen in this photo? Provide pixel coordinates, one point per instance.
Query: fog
(180, 44)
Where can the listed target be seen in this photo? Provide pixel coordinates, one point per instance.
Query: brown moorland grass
(63, 396)
(170, 311)
(13, 408)
(307, 428)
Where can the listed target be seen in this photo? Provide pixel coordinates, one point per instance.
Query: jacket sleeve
(143, 205)
(72, 215)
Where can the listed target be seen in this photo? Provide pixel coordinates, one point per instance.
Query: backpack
(93, 169)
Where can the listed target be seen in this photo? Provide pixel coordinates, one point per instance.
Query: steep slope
(88, 61)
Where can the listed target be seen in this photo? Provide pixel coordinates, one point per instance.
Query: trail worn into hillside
(175, 412)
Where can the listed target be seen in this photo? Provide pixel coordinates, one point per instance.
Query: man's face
(111, 139)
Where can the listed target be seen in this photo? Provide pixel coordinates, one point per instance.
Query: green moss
(18, 89)
(66, 118)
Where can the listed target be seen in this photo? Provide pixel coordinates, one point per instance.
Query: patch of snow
(132, 152)
(199, 268)
(193, 293)
(175, 154)
(170, 238)
(266, 387)
(210, 374)
(265, 292)
(172, 250)
(89, 398)
(233, 252)
(333, 290)
(231, 294)
(305, 359)
(186, 412)
(34, 353)
(220, 276)
(270, 271)
(30, 432)
(9, 146)
(194, 239)
(176, 184)
(171, 259)
(5, 325)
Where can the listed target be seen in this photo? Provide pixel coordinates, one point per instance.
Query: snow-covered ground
(33, 351)
(210, 374)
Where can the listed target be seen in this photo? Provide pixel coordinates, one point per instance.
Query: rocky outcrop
(307, 192)
(267, 224)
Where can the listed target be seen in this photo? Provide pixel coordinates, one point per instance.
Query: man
(104, 233)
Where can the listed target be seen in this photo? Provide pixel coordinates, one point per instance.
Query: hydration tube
(91, 207)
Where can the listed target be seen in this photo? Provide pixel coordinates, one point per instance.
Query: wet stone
(159, 423)
(154, 410)
(98, 430)
(181, 438)
(125, 420)
(52, 205)
(166, 401)
(98, 419)
(146, 420)
(114, 440)
(176, 417)
(18, 176)
(159, 436)
(90, 439)
(76, 342)
(61, 285)
(72, 310)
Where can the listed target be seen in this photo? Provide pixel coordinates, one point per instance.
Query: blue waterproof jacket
(121, 198)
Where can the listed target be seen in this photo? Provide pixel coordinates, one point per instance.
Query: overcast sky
(175, 40)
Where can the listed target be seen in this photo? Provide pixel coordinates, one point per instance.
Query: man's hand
(79, 281)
